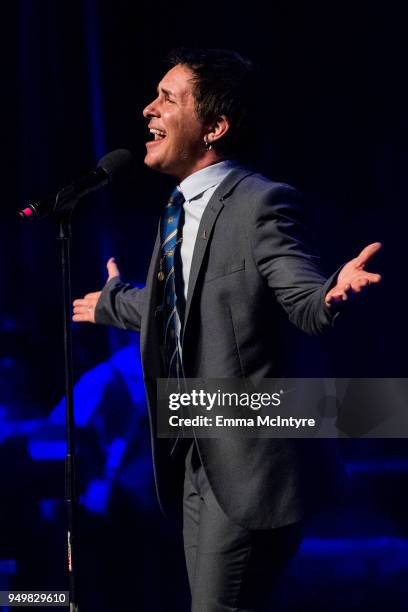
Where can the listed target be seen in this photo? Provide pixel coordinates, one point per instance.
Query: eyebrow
(165, 91)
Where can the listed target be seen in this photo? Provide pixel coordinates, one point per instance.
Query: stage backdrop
(332, 119)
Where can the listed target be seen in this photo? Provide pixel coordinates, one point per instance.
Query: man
(236, 260)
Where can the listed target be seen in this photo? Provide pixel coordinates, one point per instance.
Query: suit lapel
(205, 229)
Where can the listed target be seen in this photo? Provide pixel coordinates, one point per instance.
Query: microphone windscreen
(117, 164)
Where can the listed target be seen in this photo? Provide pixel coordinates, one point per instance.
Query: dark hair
(224, 84)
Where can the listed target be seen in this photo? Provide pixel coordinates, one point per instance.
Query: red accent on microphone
(27, 212)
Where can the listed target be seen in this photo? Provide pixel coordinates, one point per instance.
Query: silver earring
(207, 144)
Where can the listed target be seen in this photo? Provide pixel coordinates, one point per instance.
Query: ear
(218, 129)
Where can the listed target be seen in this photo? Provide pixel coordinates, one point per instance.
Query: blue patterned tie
(170, 241)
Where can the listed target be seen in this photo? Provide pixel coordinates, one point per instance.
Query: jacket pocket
(225, 271)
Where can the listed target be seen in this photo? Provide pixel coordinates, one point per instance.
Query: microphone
(112, 167)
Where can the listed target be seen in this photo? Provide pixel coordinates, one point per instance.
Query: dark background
(332, 120)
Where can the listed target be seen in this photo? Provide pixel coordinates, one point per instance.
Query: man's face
(177, 144)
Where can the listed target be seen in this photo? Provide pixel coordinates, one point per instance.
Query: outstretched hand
(84, 309)
(353, 277)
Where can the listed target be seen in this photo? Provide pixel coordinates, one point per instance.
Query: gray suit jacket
(249, 262)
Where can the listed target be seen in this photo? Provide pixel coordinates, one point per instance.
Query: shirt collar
(198, 182)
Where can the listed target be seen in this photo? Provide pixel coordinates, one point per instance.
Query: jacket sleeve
(287, 263)
(120, 305)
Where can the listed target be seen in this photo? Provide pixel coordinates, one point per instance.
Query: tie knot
(176, 199)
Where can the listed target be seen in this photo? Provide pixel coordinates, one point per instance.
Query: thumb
(112, 268)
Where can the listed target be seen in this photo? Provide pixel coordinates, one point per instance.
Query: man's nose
(150, 110)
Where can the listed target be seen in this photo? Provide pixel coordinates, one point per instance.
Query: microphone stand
(109, 168)
(71, 493)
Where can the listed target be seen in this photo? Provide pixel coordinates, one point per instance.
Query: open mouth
(157, 134)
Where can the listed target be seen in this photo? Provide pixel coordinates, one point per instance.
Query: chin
(152, 162)
(158, 165)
